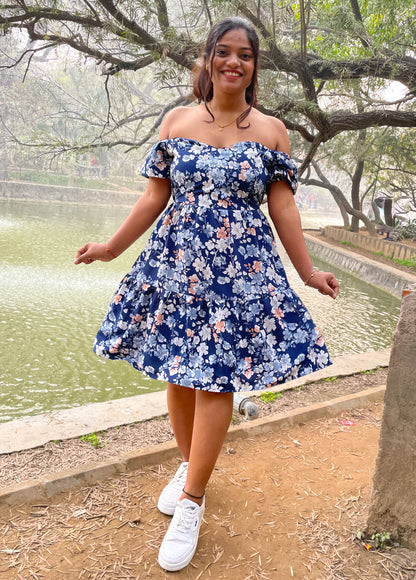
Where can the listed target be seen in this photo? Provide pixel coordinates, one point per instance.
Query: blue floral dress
(207, 304)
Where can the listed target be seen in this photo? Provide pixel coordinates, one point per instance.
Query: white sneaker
(180, 541)
(173, 491)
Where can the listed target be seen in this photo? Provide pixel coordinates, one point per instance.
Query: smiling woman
(207, 306)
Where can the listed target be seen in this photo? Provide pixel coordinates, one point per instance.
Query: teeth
(232, 74)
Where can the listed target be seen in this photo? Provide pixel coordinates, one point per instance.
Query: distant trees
(326, 65)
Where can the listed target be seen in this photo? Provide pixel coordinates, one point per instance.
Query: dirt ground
(281, 505)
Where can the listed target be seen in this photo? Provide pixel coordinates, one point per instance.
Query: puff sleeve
(158, 162)
(281, 167)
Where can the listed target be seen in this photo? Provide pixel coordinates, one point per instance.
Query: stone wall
(35, 191)
(372, 244)
(380, 275)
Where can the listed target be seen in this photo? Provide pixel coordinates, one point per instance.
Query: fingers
(83, 255)
(326, 284)
(332, 287)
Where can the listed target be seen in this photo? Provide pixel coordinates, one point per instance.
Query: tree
(313, 54)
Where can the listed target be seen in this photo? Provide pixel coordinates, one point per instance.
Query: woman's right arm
(145, 211)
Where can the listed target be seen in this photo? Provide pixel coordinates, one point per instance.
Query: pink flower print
(160, 164)
(193, 280)
(248, 372)
(179, 255)
(220, 326)
(224, 202)
(114, 349)
(224, 232)
(254, 268)
(189, 333)
(145, 286)
(175, 367)
(251, 231)
(136, 318)
(117, 298)
(279, 315)
(244, 166)
(271, 289)
(167, 220)
(191, 197)
(319, 340)
(254, 331)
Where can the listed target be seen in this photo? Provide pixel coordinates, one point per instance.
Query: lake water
(51, 309)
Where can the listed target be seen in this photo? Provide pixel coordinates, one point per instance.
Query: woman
(207, 305)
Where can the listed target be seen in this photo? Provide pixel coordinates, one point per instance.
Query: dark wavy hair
(203, 89)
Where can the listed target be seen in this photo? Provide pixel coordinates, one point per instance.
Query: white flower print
(207, 303)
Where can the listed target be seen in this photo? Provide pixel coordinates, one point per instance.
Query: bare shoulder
(273, 132)
(175, 117)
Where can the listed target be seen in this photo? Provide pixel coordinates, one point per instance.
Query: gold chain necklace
(221, 127)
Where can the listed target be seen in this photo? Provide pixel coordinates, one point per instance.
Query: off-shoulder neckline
(248, 142)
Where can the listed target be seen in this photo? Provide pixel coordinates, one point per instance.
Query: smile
(231, 73)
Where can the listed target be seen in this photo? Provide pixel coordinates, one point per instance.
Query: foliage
(407, 231)
(381, 540)
(270, 396)
(326, 66)
(93, 439)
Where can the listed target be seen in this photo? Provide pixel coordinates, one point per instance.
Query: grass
(370, 371)
(269, 396)
(93, 439)
(410, 262)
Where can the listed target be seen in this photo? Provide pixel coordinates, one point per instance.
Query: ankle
(198, 499)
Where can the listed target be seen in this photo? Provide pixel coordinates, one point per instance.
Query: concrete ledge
(385, 277)
(49, 485)
(82, 475)
(305, 414)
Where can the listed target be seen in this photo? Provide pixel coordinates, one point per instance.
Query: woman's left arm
(286, 219)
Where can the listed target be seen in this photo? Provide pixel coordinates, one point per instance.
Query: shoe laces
(180, 480)
(184, 516)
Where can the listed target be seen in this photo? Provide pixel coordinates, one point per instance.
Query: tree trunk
(393, 506)
(355, 194)
(4, 174)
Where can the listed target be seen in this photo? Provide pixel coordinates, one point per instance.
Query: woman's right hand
(91, 251)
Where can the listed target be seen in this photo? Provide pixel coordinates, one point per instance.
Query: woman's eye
(246, 56)
(220, 52)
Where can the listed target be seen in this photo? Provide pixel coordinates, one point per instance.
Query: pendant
(220, 128)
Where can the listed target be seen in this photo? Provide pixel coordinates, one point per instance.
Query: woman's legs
(200, 420)
(212, 418)
(181, 406)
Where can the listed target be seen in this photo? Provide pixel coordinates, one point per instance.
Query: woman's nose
(233, 60)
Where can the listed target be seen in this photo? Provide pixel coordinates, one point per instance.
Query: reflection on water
(52, 309)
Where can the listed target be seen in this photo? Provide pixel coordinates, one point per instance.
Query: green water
(51, 310)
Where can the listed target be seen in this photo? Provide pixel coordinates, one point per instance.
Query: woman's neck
(227, 105)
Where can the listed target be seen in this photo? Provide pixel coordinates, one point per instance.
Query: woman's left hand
(325, 283)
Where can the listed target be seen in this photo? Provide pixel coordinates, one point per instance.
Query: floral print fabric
(207, 304)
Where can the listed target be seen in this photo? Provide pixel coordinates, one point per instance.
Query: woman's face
(233, 63)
